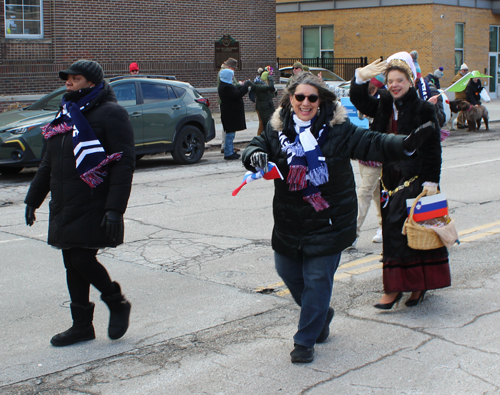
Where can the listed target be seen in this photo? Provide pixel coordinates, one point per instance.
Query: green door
(162, 110)
(126, 94)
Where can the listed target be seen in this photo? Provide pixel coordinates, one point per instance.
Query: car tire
(6, 170)
(189, 146)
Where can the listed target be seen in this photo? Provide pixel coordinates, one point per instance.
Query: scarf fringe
(49, 131)
(297, 178)
(93, 177)
(297, 149)
(319, 175)
(317, 201)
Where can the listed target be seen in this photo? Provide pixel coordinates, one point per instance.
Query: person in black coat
(473, 91)
(232, 109)
(400, 111)
(264, 89)
(87, 168)
(312, 142)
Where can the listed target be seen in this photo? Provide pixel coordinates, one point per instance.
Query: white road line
(471, 164)
(9, 241)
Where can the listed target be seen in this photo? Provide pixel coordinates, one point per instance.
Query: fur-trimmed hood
(339, 117)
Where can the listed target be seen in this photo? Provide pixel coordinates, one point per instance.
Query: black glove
(30, 215)
(417, 137)
(259, 160)
(113, 221)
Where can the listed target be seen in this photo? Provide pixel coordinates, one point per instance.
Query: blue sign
(352, 113)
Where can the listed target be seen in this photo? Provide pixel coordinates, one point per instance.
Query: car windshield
(51, 102)
(327, 75)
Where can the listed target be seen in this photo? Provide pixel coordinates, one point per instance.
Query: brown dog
(473, 115)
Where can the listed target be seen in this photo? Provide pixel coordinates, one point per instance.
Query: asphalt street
(211, 316)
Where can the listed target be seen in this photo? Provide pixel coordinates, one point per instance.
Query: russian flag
(272, 173)
(428, 207)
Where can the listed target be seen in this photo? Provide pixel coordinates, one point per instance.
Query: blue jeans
(228, 144)
(310, 281)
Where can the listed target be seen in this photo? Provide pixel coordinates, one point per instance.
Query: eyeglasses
(300, 97)
(296, 68)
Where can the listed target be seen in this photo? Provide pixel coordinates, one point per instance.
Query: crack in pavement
(155, 358)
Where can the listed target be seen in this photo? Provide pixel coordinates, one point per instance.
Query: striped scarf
(307, 167)
(90, 157)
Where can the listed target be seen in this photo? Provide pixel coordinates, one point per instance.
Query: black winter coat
(298, 228)
(232, 108)
(412, 112)
(76, 210)
(264, 95)
(424, 163)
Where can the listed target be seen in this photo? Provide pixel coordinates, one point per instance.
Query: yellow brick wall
(386, 30)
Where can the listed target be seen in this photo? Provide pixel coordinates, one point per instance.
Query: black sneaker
(302, 354)
(234, 156)
(326, 328)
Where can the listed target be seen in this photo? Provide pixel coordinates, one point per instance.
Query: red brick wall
(167, 37)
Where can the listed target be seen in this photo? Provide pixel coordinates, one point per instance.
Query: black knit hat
(91, 70)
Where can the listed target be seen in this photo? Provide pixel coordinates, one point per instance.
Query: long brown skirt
(406, 269)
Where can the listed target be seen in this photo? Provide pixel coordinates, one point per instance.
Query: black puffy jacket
(298, 228)
(412, 112)
(76, 210)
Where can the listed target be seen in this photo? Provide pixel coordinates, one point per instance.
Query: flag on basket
(428, 207)
(272, 173)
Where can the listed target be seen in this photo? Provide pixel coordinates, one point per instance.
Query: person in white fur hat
(400, 111)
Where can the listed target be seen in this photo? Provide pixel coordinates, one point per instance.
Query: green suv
(167, 116)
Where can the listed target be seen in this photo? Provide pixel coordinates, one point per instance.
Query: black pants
(83, 269)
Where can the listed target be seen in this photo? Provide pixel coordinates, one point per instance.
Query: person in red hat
(134, 68)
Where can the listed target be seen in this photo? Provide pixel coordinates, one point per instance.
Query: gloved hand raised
(372, 70)
(30, 215)
(417, 137)
(259, 160)
(113, 221)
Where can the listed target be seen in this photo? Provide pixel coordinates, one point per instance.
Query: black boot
(82, 328)
(119, 309)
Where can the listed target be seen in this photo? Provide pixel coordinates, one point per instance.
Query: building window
(494, 39)
(318, 42)
(459, 45)
(23, 19)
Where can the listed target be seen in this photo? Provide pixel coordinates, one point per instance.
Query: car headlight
(24, 129)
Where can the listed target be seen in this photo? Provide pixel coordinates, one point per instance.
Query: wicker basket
(420, 237)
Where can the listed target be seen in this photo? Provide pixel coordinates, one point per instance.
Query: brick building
(444, 32)
(166, 37)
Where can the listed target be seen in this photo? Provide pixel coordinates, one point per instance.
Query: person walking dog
(87, 168)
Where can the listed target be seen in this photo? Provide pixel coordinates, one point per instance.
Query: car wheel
(5, 170)
(189, 146)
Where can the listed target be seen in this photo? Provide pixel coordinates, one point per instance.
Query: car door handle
(135, 114)
(176, 107)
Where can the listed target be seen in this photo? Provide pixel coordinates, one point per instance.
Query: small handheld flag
(428, 207)
(272, 173)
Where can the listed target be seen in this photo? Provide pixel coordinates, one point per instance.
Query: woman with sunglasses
(312, 141)
(399, 110)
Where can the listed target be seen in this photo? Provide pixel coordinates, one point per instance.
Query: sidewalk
(244, 136)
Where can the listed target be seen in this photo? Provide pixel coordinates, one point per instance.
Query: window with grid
(23, 19)
(318, 42)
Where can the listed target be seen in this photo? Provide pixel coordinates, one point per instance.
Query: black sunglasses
(300, 97)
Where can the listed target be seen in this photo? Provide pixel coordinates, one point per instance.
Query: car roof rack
(121, 77)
